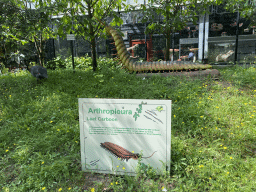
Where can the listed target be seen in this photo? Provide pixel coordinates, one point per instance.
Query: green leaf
(24, 42)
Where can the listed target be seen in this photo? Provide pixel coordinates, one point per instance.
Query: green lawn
(213, 144)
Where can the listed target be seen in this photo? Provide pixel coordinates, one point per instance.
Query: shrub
(85, 63)
(79, 62)
(55, 63)
(3, 69)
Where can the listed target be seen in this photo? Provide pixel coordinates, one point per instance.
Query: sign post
(116, 133)
(71, 37)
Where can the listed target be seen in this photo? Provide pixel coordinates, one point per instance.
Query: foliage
(246, 8)
(3, 68)
(166, 16)
(56, 63)
(10, 32)
(89, 26)
(83, 63)
(20, 25)
(35, 25)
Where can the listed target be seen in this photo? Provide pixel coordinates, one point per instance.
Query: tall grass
(213, 131)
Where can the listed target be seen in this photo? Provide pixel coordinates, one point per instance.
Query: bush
(85, 63)
(110, 63)
(3, 69)
(79, 62)
(56, 63)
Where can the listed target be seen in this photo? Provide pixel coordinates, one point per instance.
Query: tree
(84, 18)
(174, 16)
(35, 24)
(10, 33)
(246, 8)
(20, 24)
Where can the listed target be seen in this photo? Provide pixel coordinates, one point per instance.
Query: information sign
(70, 37)
(114, 133)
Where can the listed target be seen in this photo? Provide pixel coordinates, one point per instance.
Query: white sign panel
(114, 133)
(70, 37)
(189, 41)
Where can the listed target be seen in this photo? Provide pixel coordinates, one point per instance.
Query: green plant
(3, 68)
(32, 64)
(55, 63)
(79, 62)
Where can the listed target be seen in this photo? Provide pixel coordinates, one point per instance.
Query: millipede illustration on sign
(133, 65)
(120, 152)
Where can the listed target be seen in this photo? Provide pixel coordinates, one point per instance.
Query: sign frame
(114, 133)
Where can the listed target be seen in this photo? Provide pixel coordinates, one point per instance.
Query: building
(212, 38)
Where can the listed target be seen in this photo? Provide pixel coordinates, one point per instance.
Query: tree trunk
(40, 54)
(41, 50)
(92, 38)
(94, 56)
(38, 49)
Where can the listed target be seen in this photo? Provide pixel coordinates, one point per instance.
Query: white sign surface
(70, 37)
(114, 133)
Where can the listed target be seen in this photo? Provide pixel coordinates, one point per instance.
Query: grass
(213, 131)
